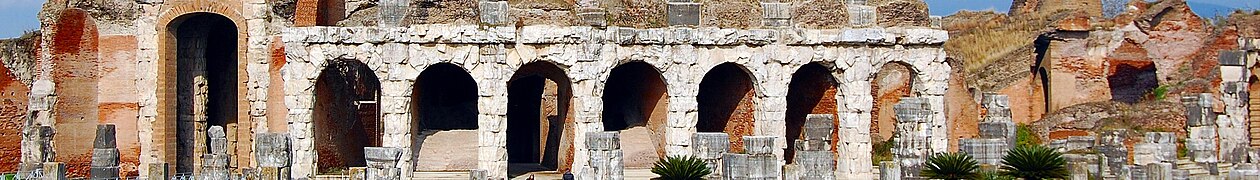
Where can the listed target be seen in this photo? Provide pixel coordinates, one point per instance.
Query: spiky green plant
(992, 175)
(1034, 163)
(950, 166)
(680, 168)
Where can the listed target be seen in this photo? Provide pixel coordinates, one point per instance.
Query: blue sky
(19, 15)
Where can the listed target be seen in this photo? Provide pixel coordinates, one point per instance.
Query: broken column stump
(104, 153)
(272, 154)
(1201, 143)
(913, 129)
(709, 147)
(215, 164)
(382, 163)
(813, 158)
(605, 155)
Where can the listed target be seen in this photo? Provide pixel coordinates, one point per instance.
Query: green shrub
(681, 168)
(881, 150)
(992, 175)
(1034, 163)
(950, 166)
(1024, 136)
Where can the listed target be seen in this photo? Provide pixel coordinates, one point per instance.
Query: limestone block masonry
(587, 54)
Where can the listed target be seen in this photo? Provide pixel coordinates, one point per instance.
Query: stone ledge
(550, 34)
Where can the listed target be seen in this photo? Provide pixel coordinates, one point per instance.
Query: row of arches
(445, 112)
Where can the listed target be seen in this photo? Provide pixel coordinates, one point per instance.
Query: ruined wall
(13, 102)
(768, 56)
(890, 84)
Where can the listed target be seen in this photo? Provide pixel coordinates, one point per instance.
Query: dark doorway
(635, 103)
(812, 91)
(444, 106)
(726, 103)
(539, 130)
(346, 115)
(207, 82)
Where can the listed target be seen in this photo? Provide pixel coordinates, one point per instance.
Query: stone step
(454, 175)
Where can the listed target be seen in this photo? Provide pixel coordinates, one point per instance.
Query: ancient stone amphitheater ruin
(388, 89)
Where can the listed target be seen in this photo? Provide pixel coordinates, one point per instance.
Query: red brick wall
(277, 112)
(812, 91)
(118, 100)
(13, 101)
(74, 72)
(726, 103)
(891, 83)
(319, 12)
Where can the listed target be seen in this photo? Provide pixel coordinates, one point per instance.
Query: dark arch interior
(811, 91)
(444, 102)
(538, 130)
(635, 102)
(207, 81)
(726, 103)
(346, 115)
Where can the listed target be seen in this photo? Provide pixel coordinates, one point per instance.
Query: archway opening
(207, 76)
(635, 103)
(1131, 80)
(539, 125)
(812, 91)
(892, 82)
(346, 115)
(726, 103)
(444, 107)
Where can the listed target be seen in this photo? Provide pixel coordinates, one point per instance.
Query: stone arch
(444, 109)
(812, 90)
(891, 82)
(636, 103)
(539, 119)
(202, 72)
(346, 114)
(319, 12)
(74, 73)
(727, 103)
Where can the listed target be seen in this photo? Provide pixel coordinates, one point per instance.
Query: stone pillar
(913, 131)
(382, 163)
(158, 171)
(813, 158)
(104, 153)
(494, 13)
(53, 171)
(988, 152)
(272, 153)
(710, 147)
(776, 13)
(1201, 124)
(736, 166)
(37, 149)
(1078, 170)
(1232, 125)
(1156, 147)
(763, 163)
(889, 170)
(1136, 172)
(392, 12)
(215, 164)
(997, 123)
(1159, 171)
(1111, 145)
(605, 155)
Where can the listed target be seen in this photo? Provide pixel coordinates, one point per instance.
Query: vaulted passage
(635, 103)
(892, 82)
(346, 115)
(207, 83)
(75, 61)
(444, 106)
(1130, 81)
(539, 127)
(726, 103)
(812, 91)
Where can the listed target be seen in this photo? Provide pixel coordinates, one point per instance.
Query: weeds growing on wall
(881, 150)
(1024, 136)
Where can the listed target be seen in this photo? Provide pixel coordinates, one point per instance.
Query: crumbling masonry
(397, 88)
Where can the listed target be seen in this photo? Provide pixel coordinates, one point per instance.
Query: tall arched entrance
(726, 103)
(812, 91)
(444, 109)
(636, 103)
(207, 75)
(539, 127)
(346, 115)
(892, 82)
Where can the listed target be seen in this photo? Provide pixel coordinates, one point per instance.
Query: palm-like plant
(1034, 163)
(681, 168)
(950, 166)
